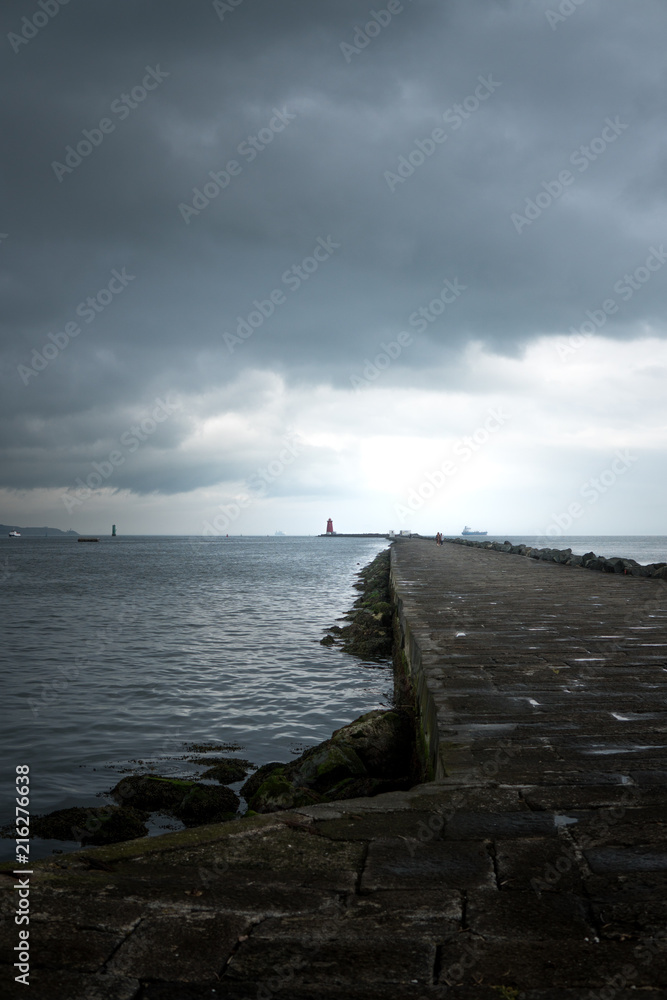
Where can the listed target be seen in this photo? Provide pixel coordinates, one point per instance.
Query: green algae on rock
(190, 801)
(369, 633)
(225, 770)
(212, 747)
(95, 825)
(373, 754)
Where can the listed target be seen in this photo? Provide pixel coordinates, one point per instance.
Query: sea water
(118, 654)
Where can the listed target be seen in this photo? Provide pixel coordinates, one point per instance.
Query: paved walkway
(534, 866)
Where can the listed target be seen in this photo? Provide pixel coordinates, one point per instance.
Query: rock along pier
(532, 865)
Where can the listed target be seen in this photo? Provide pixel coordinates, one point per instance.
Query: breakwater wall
(612, 564)
(425, 636)
(414, 659)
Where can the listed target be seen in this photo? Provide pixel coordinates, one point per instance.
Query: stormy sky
(266, 262)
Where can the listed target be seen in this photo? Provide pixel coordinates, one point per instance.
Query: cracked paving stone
(53, 984)
(291, 856)
(584, 965)
(567, 797)
(397, 864)
(480, 826)
(538, 865)
(186, 991)
(185, 948)
(338, 953)
(86, 949)
(322, 991)
(370, 825)
(501, 916)
(627, 859)
(413, 906)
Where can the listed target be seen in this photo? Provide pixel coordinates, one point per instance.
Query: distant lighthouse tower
(330, 530)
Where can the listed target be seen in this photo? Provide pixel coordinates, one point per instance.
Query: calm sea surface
(129, 649)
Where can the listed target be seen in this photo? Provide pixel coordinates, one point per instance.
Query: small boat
(14, 534)
(469, 531)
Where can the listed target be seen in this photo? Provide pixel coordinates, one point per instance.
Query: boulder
(190, 801)
(369, 633)
(226, 770)
(372, 754)
(383, 741)
(259, 777)
(615, 564)
(278, 792)
(96, 825)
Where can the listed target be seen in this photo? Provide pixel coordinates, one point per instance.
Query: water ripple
(133, 647)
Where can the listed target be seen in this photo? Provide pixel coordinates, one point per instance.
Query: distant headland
(6, 528)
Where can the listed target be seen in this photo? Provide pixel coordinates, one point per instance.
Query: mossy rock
(325, 767)
(190, 801)
(369, 634)
(375, 753)
(227, 771)
(278, 792)
(383, 741)
(204, 804)
(258, 778)
(96, 825)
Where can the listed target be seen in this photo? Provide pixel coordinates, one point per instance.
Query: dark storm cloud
(349, 117)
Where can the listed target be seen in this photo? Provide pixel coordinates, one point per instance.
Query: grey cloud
(324, 174)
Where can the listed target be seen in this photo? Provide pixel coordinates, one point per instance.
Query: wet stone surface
(533, 866)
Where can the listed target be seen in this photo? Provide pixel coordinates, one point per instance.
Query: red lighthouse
(330, 530)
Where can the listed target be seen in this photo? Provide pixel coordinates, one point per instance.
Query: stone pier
(533, 865)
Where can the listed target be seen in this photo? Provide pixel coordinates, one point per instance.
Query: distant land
(6, 528)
